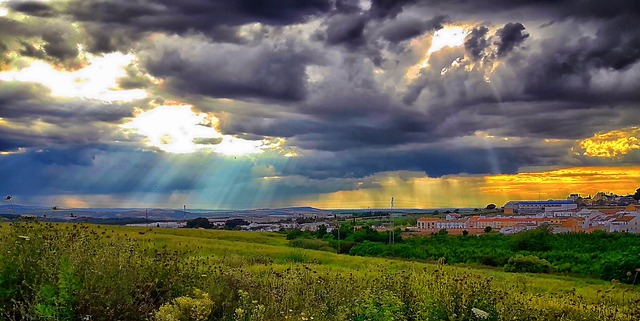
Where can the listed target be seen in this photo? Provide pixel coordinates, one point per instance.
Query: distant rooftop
(546, 202)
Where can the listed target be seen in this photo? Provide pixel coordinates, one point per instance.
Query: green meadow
(92, 272)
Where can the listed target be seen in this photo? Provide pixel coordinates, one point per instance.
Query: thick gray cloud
(331, 77)
(59, 39)
(388, 8)
(400, 30)
(476, 42)
(346, 29)
(33, 8)
(38, 120)
(266, 71)
(509, 36)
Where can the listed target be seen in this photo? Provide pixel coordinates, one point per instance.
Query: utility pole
(392, 236)
(184, 212)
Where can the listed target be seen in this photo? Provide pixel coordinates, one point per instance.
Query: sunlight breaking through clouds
(179, 130)
(98, 80)
(447, 37)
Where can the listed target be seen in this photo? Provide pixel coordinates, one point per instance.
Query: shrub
(528, 264)
(536, 240)
(491, 260)
(312, 244)
(186, 308)
(623, 268)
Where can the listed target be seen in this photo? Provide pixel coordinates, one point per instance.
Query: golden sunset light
(473, 191)
(613, 143)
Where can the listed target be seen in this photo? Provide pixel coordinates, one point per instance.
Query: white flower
(479, 313)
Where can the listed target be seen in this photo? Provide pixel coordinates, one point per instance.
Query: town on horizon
(602, 211)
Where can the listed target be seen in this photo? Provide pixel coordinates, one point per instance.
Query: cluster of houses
(560, 216)
(275, 227)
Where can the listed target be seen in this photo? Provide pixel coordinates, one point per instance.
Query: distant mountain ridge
(152, 214)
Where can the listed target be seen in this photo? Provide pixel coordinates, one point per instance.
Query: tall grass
(86, 272)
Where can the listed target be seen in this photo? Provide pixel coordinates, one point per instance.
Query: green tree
(321, 232)
(233, 223)
(199, 222)
(488, 229)
(636, 196)
(491, 206)
(536, 240)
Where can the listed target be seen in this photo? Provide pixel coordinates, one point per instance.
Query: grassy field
(91, 272)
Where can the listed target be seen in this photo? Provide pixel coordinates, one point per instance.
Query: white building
(621, 224)
(634, 225)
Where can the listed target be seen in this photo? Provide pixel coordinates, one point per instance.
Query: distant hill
(153, 214)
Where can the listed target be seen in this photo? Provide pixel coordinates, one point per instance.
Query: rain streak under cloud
(335, 104)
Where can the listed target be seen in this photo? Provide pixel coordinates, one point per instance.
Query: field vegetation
(609, 256)
(90, 272)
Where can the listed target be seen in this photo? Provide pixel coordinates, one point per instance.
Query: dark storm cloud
(58, 47)
(60, 39)
(193, 65)
(509, 36)
(27, 102)
(559, 8)
(209, 17)
(38, 120)
(346, 29)
(388, 8)
(347, 6)
(581, 68)
(476, 42)
(436, 161)
(196, 14)
(34, 8)
(400, 30)
(356, 115)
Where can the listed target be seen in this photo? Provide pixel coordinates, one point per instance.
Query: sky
(236, 104)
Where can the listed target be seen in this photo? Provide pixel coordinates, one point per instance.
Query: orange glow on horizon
(478, 191)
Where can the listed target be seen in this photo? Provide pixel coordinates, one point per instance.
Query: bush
(186, 308)
(295, 234)
(491, 260)
(536, 240)
(312, 244)
(623, 268)
(528, 264)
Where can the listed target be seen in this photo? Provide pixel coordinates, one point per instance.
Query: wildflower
(480, 314)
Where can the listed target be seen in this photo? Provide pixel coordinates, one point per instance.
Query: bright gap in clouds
(98, 80)
(447, 37)
(178, 130)
(3, 11)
